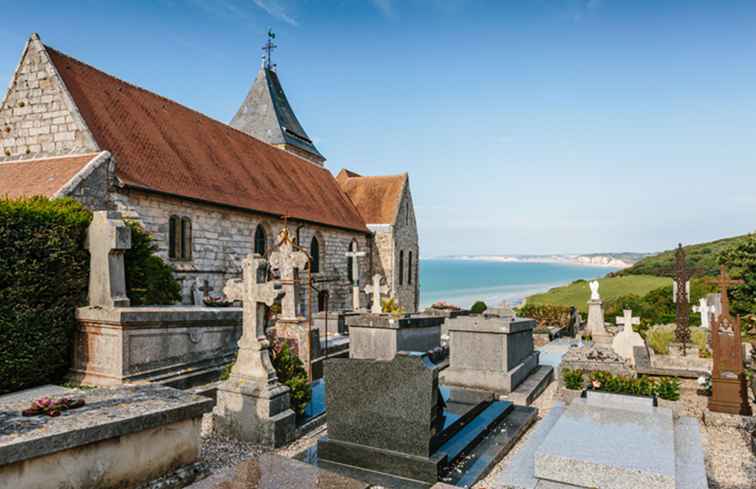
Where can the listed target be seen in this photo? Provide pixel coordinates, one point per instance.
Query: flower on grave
(702, 380)
(596, 384)
(51, 407)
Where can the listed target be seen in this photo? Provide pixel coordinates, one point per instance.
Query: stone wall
(38, 117)
(92, 185)
(222, 237)
(406, 240)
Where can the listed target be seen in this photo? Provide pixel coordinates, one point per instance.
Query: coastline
(576, 260)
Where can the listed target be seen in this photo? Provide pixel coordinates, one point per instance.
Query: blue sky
(541, 126)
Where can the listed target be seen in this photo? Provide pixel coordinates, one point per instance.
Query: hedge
(547, 314)
(43, 277)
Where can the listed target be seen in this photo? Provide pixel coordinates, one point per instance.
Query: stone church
(208, 192)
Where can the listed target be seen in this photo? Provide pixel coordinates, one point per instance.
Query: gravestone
(252, 404)
(200, 291)
(376, 290)
(354, 256)
(381, 336)
(108, 238)
(729, 390)
(624, 343)
(593, 359)
(490, 353)
(595, 326)
(706, 311)
(288, 262)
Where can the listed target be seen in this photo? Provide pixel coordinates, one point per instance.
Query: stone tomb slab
(593, 445)
(131, 435)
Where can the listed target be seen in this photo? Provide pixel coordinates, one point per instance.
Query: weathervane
(268, 47)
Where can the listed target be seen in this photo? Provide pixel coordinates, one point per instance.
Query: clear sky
(540, 126)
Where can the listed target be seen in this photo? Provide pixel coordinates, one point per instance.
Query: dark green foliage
(666, 388)
(702, 259)
(149, 280)
(479, 307)
(291, 372)
(740, 261)
(43, 278)
(573, 379)
(547, 314)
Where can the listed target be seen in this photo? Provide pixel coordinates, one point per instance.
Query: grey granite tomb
(381, 336)
(490, 353)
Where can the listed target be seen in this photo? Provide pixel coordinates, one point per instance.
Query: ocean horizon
(462, 282)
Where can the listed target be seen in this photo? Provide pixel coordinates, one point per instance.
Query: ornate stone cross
(376, 289)
(108, 238)
(354, 255)
(253, 361)
(705, 310)
(288, 261)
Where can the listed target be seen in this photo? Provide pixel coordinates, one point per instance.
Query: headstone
(490, 353)
(354, 256)
(108, 238)
(376, 290)
(595, 326)
(200, 291)
(381, 336)
(252, 404)
(729, 390)
(288, 262)
(706, 311)
(593, 359)
(627, 339)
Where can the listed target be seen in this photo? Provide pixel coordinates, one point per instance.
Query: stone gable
(38, 117)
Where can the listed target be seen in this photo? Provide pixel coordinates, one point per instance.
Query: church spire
(266, 114)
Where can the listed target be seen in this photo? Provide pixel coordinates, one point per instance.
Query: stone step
(532, 387)
(465, 439)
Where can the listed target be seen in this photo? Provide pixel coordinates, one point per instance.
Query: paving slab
(593, 446)
(691, 471)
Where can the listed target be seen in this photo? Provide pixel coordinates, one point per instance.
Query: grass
(577, 293)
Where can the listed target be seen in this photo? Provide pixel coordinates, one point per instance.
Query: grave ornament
(108, 238)
(624, 343)
(288, 262)
(377, 290)
(354, 256)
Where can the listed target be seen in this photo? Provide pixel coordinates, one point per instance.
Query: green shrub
(573, 379)
(547, 314)
(149, 280)
(43, 278)
(659, 338)
(665, 388)
(668, 388)
(291, 372)
(479, 307)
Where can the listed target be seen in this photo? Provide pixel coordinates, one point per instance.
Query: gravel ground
(218, 453)
(730, 464)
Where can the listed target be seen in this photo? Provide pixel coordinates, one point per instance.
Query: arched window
(315, 254)
(260, 240)
(401, 267)
(174, 231)
(180, 238)
(186, 238)
(409, 269)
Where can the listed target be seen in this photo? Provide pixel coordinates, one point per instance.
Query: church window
(409, 269)
(173, 234)
(180, 238)
(186, 238)
(401, 267)
(260, 240)
(350, 262)
(315, 254)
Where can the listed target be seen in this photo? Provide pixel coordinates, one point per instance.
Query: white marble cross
(287, 261)
(594, 290)
(253, 360)
(376, 289)
(627, 320)
(625, 342)
(354, 255)
(108, 238)
(705, 310)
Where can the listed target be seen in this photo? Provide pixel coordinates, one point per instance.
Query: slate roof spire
(266, 114)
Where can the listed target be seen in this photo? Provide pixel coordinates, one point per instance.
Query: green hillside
(701, 260)
(610, 288)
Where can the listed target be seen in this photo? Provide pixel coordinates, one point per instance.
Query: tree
(740, 261)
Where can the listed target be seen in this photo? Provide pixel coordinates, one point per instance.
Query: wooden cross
(724, 281)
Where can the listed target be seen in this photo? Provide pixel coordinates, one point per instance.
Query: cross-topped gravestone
(625, 342)
(376, 290)
(354, 256)
(200, 291)
(288, 262)
(706, 311)
(108, 238)
(729, 391)
(252, 404)
(682, 276)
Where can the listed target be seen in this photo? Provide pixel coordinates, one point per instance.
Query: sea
(462, 282)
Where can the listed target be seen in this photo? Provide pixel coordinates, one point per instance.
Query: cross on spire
(268, 47)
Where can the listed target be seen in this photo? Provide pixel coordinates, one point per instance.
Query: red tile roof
(162, 146)
(44, 177)
(377, 198)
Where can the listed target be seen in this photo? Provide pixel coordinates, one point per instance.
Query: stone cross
(354, 255)
(287, 261)
(594, 290)
(253, 360)
(705, 310)
(108, 238)
(376, 289)
(625, 342)
(200, 291)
